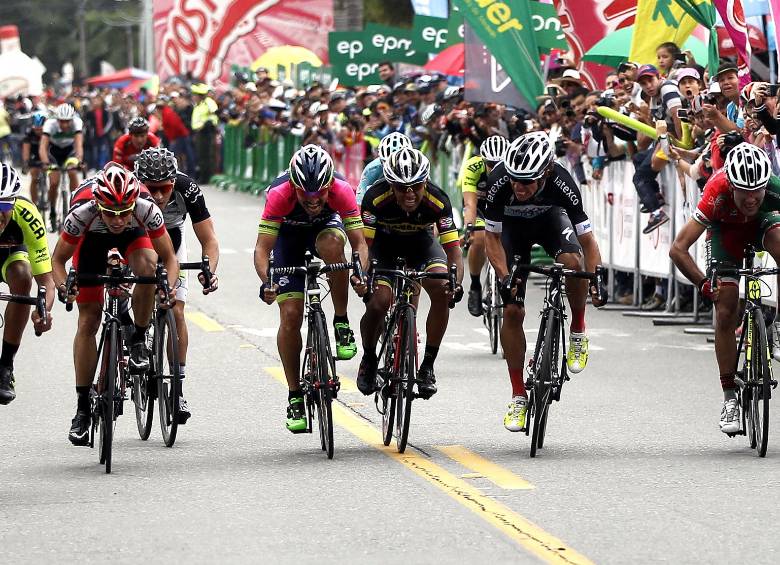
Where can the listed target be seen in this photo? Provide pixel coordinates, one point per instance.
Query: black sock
(82, 396)
(7, 355)
(476, 284)
(340, 319)
(369, 352)
(294, 394)
(139, 334)
(430, 355)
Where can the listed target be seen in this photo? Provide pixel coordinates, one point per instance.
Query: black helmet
(311, 169)
(155, 164)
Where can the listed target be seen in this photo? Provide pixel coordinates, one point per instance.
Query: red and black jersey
(125, 151)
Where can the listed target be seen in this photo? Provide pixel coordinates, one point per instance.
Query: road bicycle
(61, 206)
(108, 393)
(547, 367)
(397, 372)
(319, 382)
(492, 308)
(754, 379)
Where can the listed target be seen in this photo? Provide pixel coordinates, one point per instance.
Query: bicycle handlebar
(753, 272)
(39, 301)
(357, 270)
(203, 267)
(415, 276)
(467, 233)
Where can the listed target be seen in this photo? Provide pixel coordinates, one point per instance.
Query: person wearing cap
(570, 81)
(204, 127)
(726, 82)
(627, 72)
(664, 104)
(689, 82)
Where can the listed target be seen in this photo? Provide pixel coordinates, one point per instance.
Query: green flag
(547, 27)
(507, 31)
(703, 11)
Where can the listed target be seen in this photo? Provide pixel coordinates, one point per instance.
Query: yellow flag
(658, 21)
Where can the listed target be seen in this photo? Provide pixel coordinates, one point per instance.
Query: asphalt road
(634, 469)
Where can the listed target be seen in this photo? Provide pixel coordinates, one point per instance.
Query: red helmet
(116, 186)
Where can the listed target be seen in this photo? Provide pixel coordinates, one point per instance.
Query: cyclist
(388, 145)
(475, 178)
(177, 195)
(129, 145)
(308, 208)
(399, 213)
(62, 143)
(22, 235)
(533, 200)
(738, 207)
(110, 210)
(31, 143)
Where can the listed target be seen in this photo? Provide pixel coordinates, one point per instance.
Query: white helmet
(493, 148)
(748, 167)
(528, 156)
(407, 166)
(65, 112)
(10, 185)
(391, 143)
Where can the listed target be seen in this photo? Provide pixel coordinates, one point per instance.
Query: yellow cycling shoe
(577, 355)
(514, 420)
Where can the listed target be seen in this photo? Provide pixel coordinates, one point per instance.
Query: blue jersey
(371, 174)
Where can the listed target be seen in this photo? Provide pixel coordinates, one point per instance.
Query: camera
(605, 100)
(710, 98)
(731, 140)
(560, 147)
(591, 119)
(773, 89)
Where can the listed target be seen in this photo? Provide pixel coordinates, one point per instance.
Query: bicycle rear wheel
(167, 373)
(760, 384)
(324, 386)
(407, 357)
(544, 375)
(107, 387)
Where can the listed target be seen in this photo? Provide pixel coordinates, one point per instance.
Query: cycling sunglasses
(160, 187)
(7, 205)
(404, 188)
(124, 212)
(525, 182)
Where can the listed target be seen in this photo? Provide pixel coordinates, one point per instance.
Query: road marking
(496, 474)
(530, 536)
(203, 322)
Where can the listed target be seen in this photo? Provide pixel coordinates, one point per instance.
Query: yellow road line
(530, 536)
(496, 474)
(203, 322)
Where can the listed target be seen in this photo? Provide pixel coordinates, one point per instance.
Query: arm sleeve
(195, 203)
(369, 220)
(34, 234)
(448, 232)
(343, 201)
(494, 207)
(571, 200)
(474, 169)
(119, 156)
(276, 208)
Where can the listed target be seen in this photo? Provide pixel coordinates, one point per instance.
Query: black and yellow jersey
(26, 228)
(383, 216)
(475, 179)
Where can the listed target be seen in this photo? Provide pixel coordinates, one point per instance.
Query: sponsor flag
(658, 21)
(733, 17)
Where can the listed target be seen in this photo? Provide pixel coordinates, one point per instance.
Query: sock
(82, 396)
(729, 387)
(139, 333)
(476, 284)
(7, 355)
(125, 318)
(577, 320)
(340, 319)
(369, 352)
(294, 394)
(431, 351)
(518, 385)
(181, 383)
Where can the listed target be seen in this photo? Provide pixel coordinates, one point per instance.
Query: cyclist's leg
(54, 184)
(180, 245)
(16, 272)
(477, 253)
(35, 173)
(330, 248)
(516, 240)
(143, 261)
(770, 241)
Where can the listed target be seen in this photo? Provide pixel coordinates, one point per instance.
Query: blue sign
(435, 8)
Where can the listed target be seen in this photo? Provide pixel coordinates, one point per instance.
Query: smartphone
(773, 89)
(552, 91)
(681, 58)
(682, 113)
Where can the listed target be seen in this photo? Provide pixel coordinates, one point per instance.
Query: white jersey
(59, 138)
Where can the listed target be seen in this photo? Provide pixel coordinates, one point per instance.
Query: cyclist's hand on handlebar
(360, 286)
(166, 298)
(455, 295)
(598, 293)
(268, 293)
(71, 297)
(706, 290)
(40, 324)
(214, 283)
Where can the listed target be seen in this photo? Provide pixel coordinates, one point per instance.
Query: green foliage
(48, 29)
(397, 13)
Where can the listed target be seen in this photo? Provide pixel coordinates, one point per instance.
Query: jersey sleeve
(571, 200)
(448, 232)
(194, 201)
(705, 209)
(772, 197)
(277, 205)
(81, 215)
(50, 127)
(475, 168)
(150, 217)
(498, 181)
(369, 220)
(119, 150)
(371, 174)
(342, 200)
(28, 218)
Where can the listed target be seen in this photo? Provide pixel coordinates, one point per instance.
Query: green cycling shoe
(296, 416)
(346, 348)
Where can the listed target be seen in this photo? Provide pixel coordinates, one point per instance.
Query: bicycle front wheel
(543, 380)
(167, 373)
(107, 387)
(760, 384)
(407, 364)
(144, 404)
(388, 394)
(324, 386)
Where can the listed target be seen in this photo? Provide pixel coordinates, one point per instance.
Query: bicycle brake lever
(40, 307)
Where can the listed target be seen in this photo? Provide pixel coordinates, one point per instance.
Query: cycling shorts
(9, 255)
(290, 249)
(726, 242)
(479, 221)
(421, 251)
(90, 257)
(58, 155)
(180, 247)
(552, 230)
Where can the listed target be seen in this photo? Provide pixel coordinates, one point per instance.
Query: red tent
(119, 79)
(451, 61)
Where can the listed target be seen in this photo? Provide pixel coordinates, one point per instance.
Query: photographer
(765, 96)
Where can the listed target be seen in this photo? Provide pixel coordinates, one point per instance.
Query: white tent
(19, 73)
